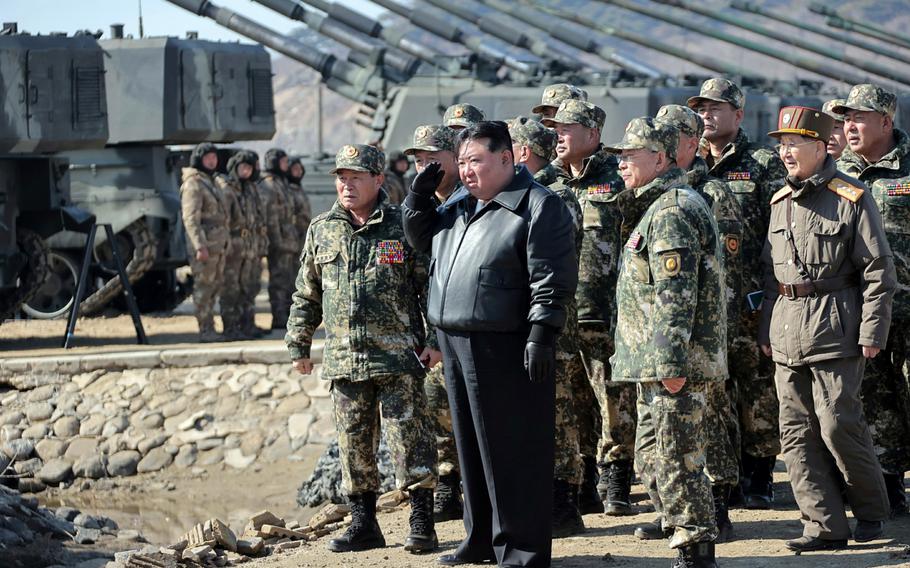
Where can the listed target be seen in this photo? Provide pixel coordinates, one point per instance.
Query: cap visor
(539, 108)
(843, 109)
(350, 168)
(620, 146)
(693, 102)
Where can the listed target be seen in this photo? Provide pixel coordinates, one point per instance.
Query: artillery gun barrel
(360, 82)
(835, 20)
(558, 29)
(756, 9)
(392, 36)
(448, 30)
(820, 67)
(346, 35)
(790, 39)
(502, 26)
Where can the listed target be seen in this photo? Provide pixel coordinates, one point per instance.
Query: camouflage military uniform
(752, 172)
(365, 283)
(303, 213)
(886, 386)
(672, 254)
(462, 115)
(283, 254)
(238, 245)
(205, 219)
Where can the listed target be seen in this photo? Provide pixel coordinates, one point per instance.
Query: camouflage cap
(574, 111)
(684, 119)
(828, 106)
(719, 90)
(462, 114)
(528, 132)
(432, 138)
(553, 96)
(359, 158)
(869, 97)
(804, 121)
(644, 133)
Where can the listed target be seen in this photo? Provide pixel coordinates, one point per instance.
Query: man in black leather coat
(503, 269)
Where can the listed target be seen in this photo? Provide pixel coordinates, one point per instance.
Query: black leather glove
(426, 182)
(540, 353)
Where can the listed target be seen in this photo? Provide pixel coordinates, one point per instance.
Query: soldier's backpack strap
(781, 193)
(845, 189)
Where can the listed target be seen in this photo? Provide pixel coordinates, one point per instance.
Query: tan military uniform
(205, 219)
(816, 338)
(283, 252)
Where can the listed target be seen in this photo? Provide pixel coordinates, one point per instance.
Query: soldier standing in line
(591, 173)
(670, 334)
(553, 95)
(533, 146)
(251, 279)
(394, 177)
(753, 172)
(240, 251)
(722, 428)
(205, 218)
(362, 280)
(879, 156)
(283, 253)
(435, 143)
(462, 115)
(838, 141)
(303, 213)
(829, 282)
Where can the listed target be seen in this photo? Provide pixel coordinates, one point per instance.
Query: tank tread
(33, 275)
(144, 253)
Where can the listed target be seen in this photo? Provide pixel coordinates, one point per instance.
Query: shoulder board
(781, 193)
(846, 190)
(669, 199)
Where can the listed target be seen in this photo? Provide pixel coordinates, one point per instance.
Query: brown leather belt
(815, 287)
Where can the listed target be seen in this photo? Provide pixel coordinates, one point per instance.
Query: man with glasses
(753, 172)
(829, 281)
(879, 156)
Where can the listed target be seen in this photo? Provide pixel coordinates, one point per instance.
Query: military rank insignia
(897, 189)
(389, 252)
(732, 242)
(600, 189)
(739, 176)
(634, 240)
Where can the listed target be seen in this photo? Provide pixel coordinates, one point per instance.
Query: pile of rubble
(324, 484)
(213, 543)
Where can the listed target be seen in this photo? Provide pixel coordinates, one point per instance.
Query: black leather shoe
(455, 560)
(652, 531)
(868, 530)
(810, 543)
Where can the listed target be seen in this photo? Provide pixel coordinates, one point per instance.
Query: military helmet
(241, 157)
(299, 161)
(199, 151)
(272, 160)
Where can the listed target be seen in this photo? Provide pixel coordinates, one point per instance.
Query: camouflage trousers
(399, 402)
(233, 297)
(250, 284)
(568, 465)
(756, 397)
(438, 403)
(207, 282)
(615, 401)
(283, 267)
(670, 459)
(885, 393)
(722, 453)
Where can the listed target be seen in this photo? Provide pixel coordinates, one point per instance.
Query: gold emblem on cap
(458, 112)
(550, 93)
(422, 132)
(350, 152)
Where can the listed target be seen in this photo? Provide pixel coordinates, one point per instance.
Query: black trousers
(504, 429)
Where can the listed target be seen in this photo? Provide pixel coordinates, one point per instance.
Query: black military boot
(364, 532)
(894, 484)
(619, 486)
(447, 501)
(698, 555)
(760, 494)
(589, 502)
(653, 530)
(423, 533)
(721, 513)
(566, 518)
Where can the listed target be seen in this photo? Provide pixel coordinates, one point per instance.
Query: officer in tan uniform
(829, 282)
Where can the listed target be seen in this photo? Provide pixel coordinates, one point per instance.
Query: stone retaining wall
(116, 414)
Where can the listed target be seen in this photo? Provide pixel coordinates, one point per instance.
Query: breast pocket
(502, 297)
(825, 243)
(636, 262)
(328, 264)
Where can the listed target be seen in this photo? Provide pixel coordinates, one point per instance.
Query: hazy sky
(159, 17)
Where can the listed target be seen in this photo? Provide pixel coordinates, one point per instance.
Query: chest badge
(600, 189)
(739, 176)
(898, 189)
(389, 252)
